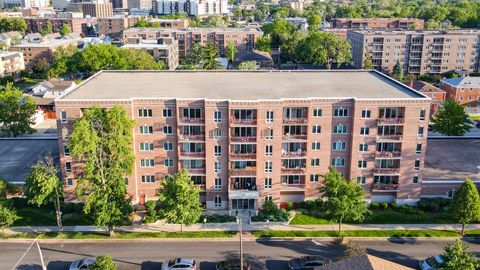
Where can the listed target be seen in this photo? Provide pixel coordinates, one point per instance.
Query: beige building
(11, 63)
(170, 23)
(97, 9)
(114, 26)
(247, 137)
(420, 52)
(34, 51)
(243, 38)
(377, 23)
(165, 49)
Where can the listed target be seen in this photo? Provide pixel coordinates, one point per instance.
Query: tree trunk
(111, 232)
(58, 212)
(463, 229)
(340, 225)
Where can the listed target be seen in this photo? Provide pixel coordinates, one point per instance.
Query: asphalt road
(146, 255)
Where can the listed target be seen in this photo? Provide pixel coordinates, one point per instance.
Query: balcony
(389, 138)
(391, 121)
(297, 186)
(243, 156)
(243, 186)
(247, 122)
(289, 121)
(289, 137)
(244, 139)
(187, 137)
(192, 154)
(286, 170)
(247, 171)
(385, 187)
(294, 154)
(186, 120)
(393, 171)
(196, 171)
(201, 186)
(388, 154)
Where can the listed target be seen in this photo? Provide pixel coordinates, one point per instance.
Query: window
(167, 129)
(126, 181)
(269, 134)
(268, 182)
(362, 164)
(315, 162)
(315, 145)
(420, 132)
(147, 163)
(217, 166)
(338, 162)
(218, 183)
(419, 148)
(63, 116)
(69, 181)
(450, 193)
(148, 178)
(317, 112)
(268, 150)
(415, 179)
(340, 129)
(314, 177)
(168, 162)
(268, 198)
(64, 133)
(416, 166)
(167, 146)
(269, 116)
(66, 150)
(364, 130)
(363, 147)
(142, 113)
(422, 114)
(340, 112)
(339, 145)
(217, 150)
(217, 116)
(145, 129)
(268, 166)
(366, 114)
(167, 112)
(145, 146)
(217, 134)
(316, 129)
(217, 201)
(361, 179)
(68, 167)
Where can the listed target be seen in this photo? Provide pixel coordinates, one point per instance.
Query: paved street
(146, 255)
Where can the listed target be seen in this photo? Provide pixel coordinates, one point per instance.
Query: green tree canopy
(314, 22)
(451, 119)
(8, 24)
(102, 140)
(344, 198)
(398, 71)
(16, 112)
(231, 51)
(263, 44)
(201, 57)
(466, 204)
(367, 62)
(8, 216)
(66, 29)
(179, 199)
(457, 257)
(46, 29)
(104, 262)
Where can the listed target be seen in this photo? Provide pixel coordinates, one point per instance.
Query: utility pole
(239, 222)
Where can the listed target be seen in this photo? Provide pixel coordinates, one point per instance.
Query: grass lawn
(27, 83)
(302, 219)
(475, 117)
(359, 233)
(127, 235)
(32, 216)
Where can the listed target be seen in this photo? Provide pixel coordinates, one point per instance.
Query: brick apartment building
(97, 9)
(243, 38)
(377, 23)
(436, 94)
(170, 23)
(34, 51)
(247, 137)
(420, 52)
(115, 25)
(165, 49)
(465, 91)
(78, 25)
(11, 63)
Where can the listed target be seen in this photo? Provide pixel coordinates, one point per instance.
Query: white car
(179, 264)
(432, 263)
(82, 264)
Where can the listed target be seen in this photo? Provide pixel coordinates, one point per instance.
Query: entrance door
(239, 204)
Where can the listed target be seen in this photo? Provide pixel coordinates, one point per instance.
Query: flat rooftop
(238, 85)
(45, 44)
(146, 46)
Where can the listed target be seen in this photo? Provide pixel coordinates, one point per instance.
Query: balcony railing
(390, 121)
(196, 170)
(236, 121)
(243, 186)
(248, 171)
(384, 187)
(287, 137)
(244, 139)
(286, 170)
(302, 120)
(388, 154)
(386, 170)
(192, 154)
(243, 156)
(191, 120)
(298, 185)
(389, 137)
(201, 186)
(187, 137)
(294, 154)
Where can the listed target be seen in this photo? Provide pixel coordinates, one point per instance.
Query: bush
(374, 205)
(272, 213)
(432, 204)
(383, 205)
(392, 205)
(68, 208)
(408, 209)
(78, 207)
(217, 218)
(151, 210)
(290, 206)
(19, 202)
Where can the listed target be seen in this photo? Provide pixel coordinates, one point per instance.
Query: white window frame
(268, 166)
(268, 150)
(268, 183)
(315, 162)
(217, 116)
(316, 145)
(168, 129)
(167, 146)
(167, 113)
(63, 116)
(217, 150)
(168, 162)
(317, 113)
(217, 166)
(316, 129)
(366, 114)
(145, 113)
(218, 183)
(217, 201)
(269, 116)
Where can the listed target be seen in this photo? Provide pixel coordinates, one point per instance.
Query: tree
(46, 29)
(314, 22)
(451, 119)
(179, 199)
(43, 186)
(353, 249)
(398, 71)
(209, 57)
(66, 29)
(16, 112)
(248, 65)
(102, 140)
(13, 24)
(3, 189)
(8, 216)
(466, 204)
(367, 62)
(324, 48)
(344, 199)
(39, 67)
(457, 257)
(104, 262)
(231, 51)
(263, 44)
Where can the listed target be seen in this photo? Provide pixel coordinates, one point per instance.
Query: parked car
(432, 263)
(82, 264)
(306, 263)
(179, 264)
(232, 264)
(478, 123)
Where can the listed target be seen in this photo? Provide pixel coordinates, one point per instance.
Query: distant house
(9, 38)
(264, 59)
(436, 94)
(364, 262)
(45, 92)
(465, 91)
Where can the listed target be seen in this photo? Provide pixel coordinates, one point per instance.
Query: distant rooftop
(146, 46)
(470, 82)
(418, 32)
(238, 85)
(247, 29)
(45, 44)
(425, 87)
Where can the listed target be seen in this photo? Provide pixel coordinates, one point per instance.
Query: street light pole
(239, 222)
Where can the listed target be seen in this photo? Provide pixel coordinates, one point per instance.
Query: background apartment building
(465, 91)
(34, 51)
(377, 23)
(165, 49)
(243, 38)
(11, 63)
(115, 25)
(192, 7)
(420, 52)
(247, 137)
(98, 9)
(78, 25)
